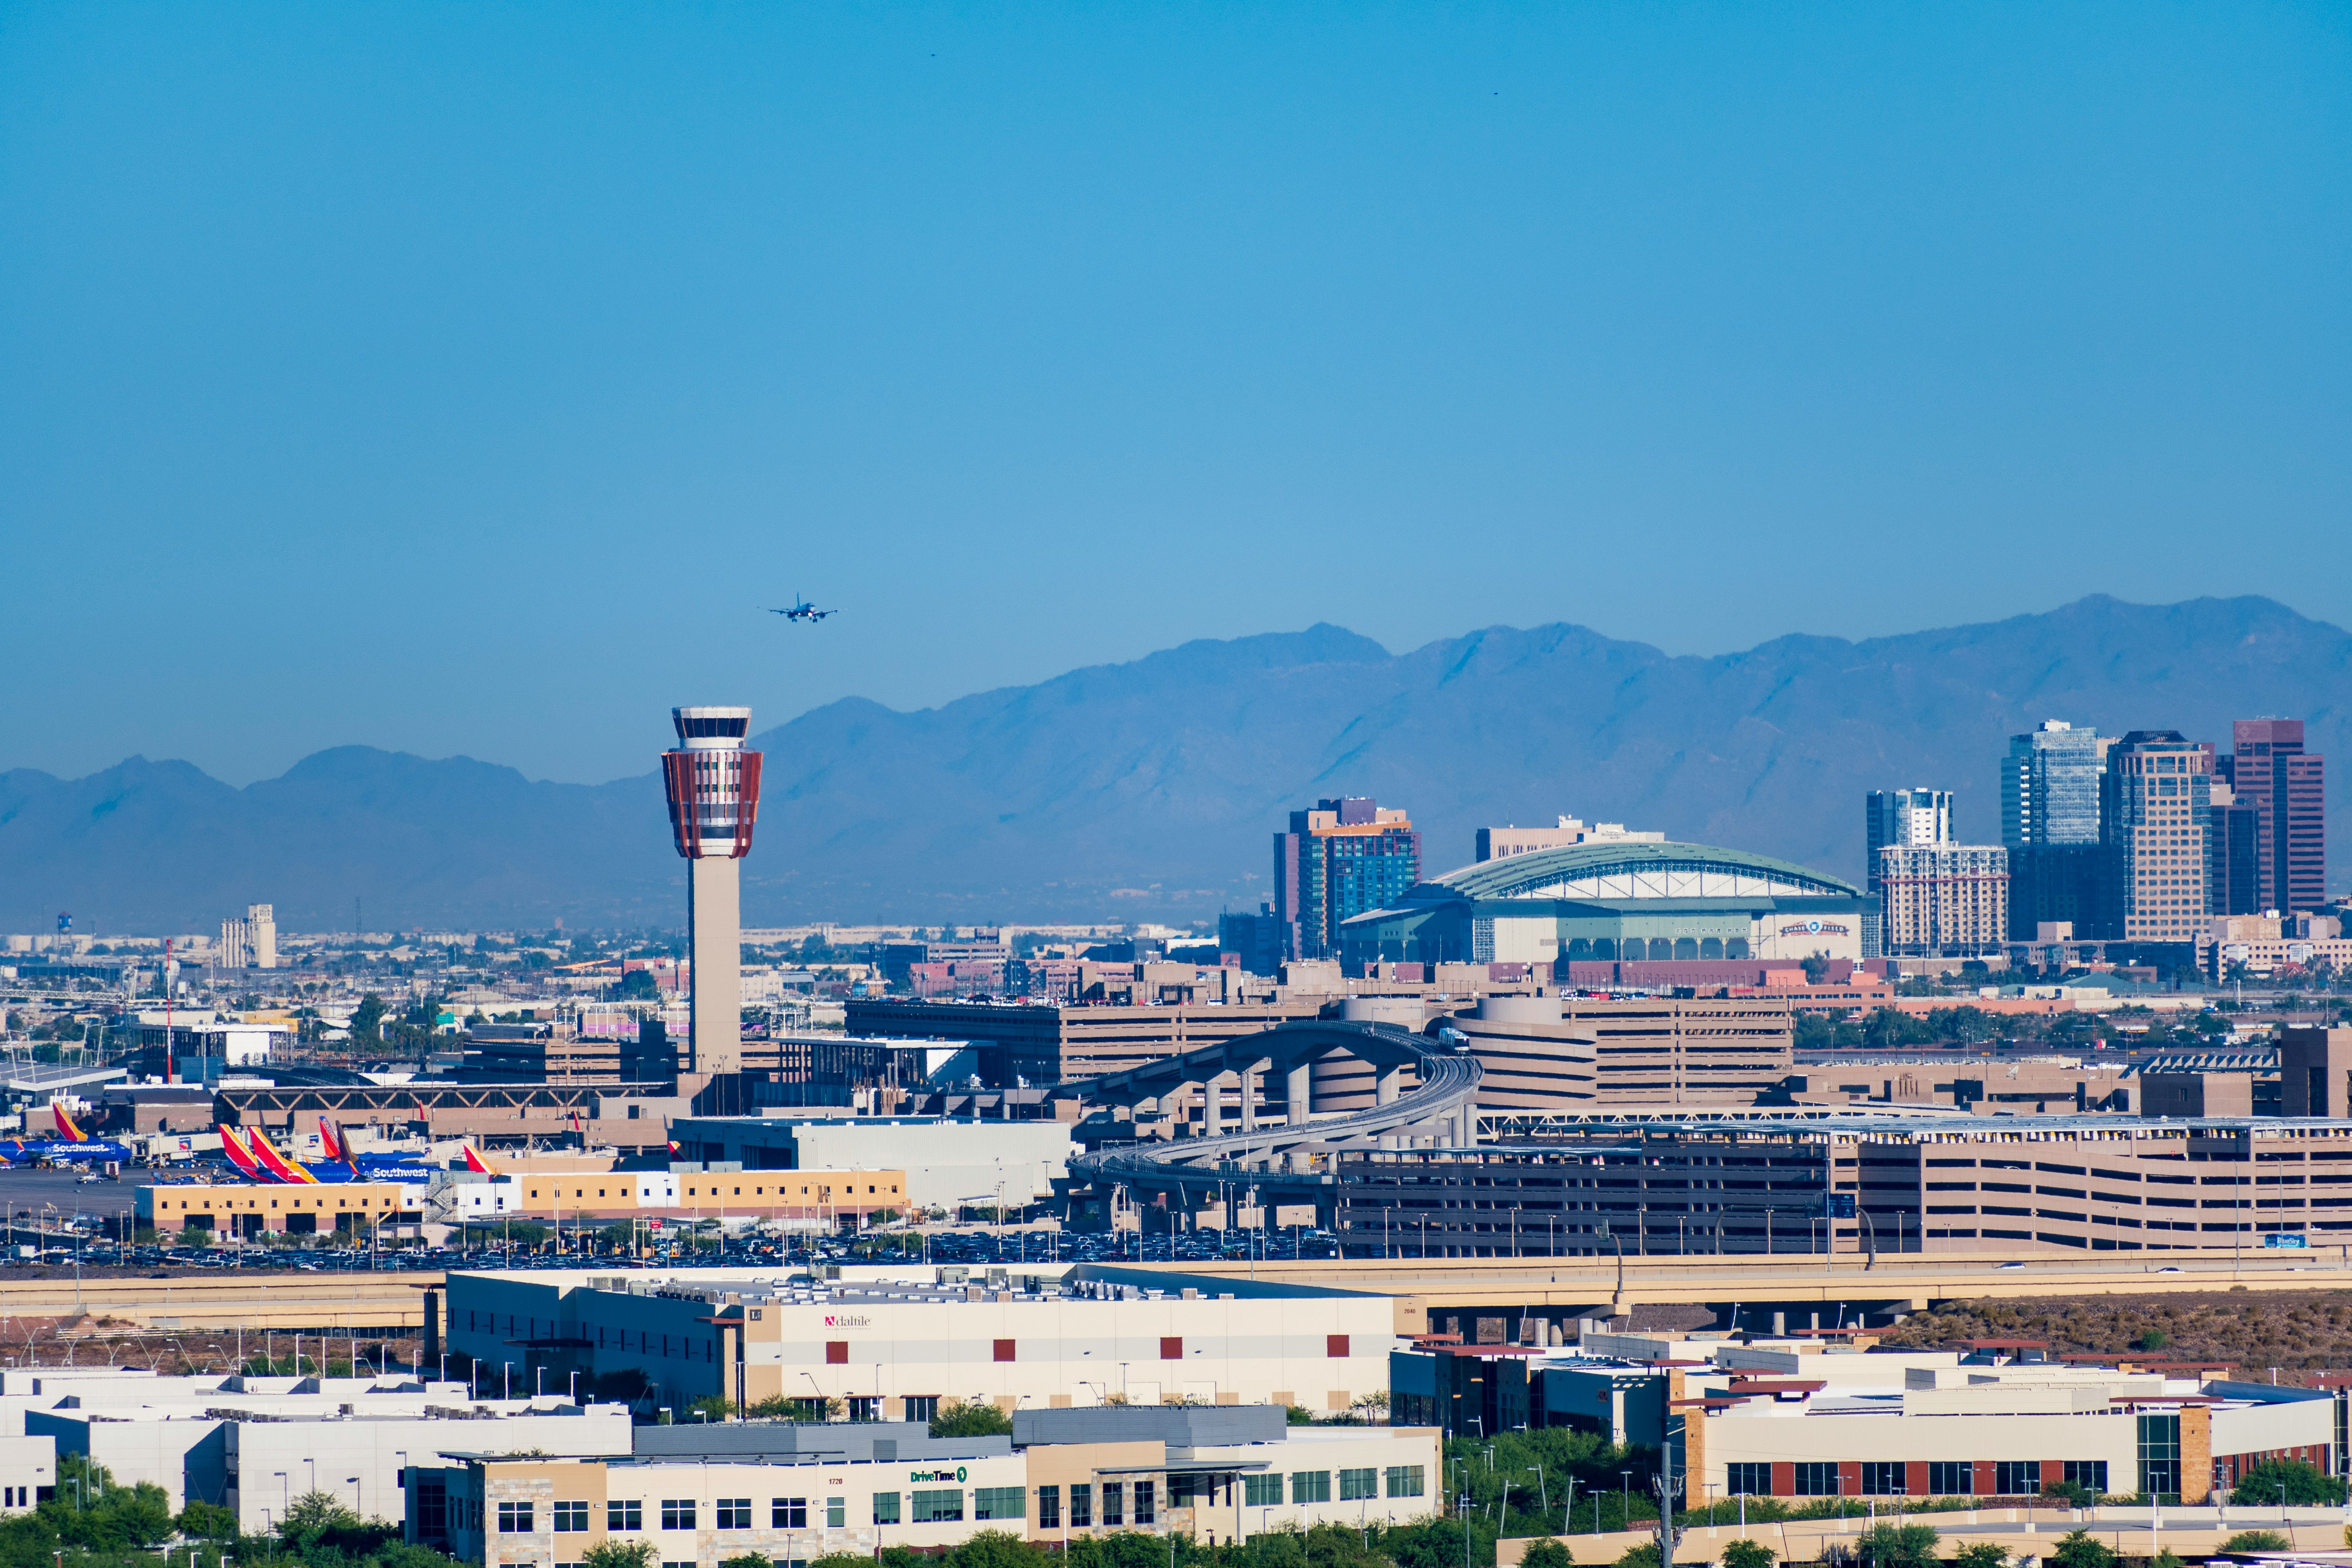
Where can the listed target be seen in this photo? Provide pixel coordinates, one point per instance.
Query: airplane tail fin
(240, 1156)
(331, 1142)
(275, 1163)
(474, 1161)
(73, 1133)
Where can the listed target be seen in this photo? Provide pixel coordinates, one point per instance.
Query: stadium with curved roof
(1607, 901)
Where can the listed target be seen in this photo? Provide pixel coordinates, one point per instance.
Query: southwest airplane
(75, 1145)
(338, 1151)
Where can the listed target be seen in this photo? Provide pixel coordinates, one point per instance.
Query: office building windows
(1817, 1478)
(1751, 1477)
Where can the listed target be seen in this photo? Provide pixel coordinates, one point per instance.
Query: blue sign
(1839, 1206)
(2283, 1238)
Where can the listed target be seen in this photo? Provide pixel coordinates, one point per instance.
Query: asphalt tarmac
(23, 1188)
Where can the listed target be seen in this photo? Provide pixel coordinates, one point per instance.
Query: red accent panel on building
(837, 1352)
(1335, 1345)
(747, 803)
(677, 782)
(1985, 1479)
(1914, 1478)
(1849, 1477)
(1172, 1347)
(1784, 1477)
(1005, 1350)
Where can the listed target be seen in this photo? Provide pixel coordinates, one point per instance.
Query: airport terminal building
(1597, 903)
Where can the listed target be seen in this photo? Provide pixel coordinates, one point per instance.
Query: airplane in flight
(801, 611)
(75, 1145)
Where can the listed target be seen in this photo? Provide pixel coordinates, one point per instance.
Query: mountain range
(1147, 790)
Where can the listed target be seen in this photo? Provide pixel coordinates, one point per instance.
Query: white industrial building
(28, 1473)
(947, 1161)
(896, 1342)
(256, 1444)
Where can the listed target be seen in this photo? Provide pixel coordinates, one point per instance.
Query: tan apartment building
(1942, 899)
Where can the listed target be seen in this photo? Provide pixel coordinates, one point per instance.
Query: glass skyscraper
(2050, 820)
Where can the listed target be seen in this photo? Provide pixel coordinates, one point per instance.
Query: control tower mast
(714, 798)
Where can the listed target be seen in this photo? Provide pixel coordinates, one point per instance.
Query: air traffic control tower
(714, 798)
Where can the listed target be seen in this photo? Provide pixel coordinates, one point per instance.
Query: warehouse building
(943, 1161)
(895, 1343)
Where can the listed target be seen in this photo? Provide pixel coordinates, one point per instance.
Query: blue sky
(466, 378)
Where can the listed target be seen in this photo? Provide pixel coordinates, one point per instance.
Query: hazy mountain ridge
(1148, 789)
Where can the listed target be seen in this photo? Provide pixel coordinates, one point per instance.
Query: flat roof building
(895, 1343)
(1200, 1473)
(946, 1161)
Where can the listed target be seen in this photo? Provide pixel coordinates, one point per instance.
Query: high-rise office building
(714, 799)
(2156, 805)
(251, 942)
(2269, 771)
(1943, 899)
(2050, 783)
(1344, 857)
(1910, 819)
(2233, 882)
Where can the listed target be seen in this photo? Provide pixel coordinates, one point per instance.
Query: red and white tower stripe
(713, 785)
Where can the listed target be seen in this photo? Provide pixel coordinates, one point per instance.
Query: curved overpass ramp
(1439, 1105)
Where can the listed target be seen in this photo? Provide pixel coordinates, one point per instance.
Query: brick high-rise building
(2156, 810)
(2269, 771)
(1345, 857)
(1948, 900)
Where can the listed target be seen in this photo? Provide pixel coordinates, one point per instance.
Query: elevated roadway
(1277, 1156)
(1439, 1289)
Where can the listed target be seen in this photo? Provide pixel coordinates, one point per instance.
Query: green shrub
(1549, 1554)
(611, 1553)
(2291, 1481)
(959, 1419)
(1897, 1546)
(2081, 1548)
(2258, 1541)
(1746, 1553)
